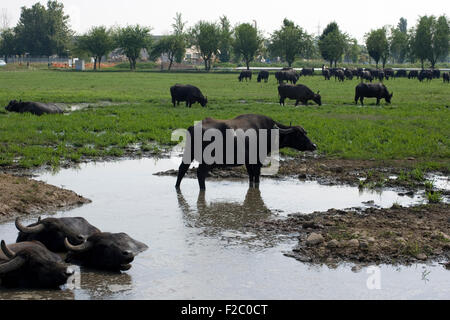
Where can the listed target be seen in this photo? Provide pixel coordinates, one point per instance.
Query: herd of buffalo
(42, 250)
(40, 256)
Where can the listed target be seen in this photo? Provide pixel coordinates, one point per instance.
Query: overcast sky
(355, 17)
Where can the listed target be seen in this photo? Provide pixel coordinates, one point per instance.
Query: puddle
(198, 246)
(66, 107)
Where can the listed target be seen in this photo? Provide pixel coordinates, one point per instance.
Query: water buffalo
(401, 73)
(299, 93)
(388, 73)
(367, 75)
(263, 75)
(105, 251)
(359, 72)
(348, 74)
(381, 76)
(31, 265)
(249, 153)
(369, 90)
(436, 73)
(425, 74)
(326, 73)
(245, 74)
(446, 77)
(307, 72)
(52, 232)
(36, 108)
(413, 74)
(188, 93)
(339, 75)
(287, 75)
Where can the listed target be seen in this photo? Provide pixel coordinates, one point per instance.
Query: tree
(403, 25)
(4, 20)
(98, 42)
(289, 42)
(169, 45)
(377, 45)
(352, 51)
(332, 43)
(131, 40)
(7, 43)
(226, 34)
(440, 40)
(247, 42)
(43, 31)
(421, 40)
(205, 36)
(398, 44)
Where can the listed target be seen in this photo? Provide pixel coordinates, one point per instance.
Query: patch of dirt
(21, 196)
(397, 235)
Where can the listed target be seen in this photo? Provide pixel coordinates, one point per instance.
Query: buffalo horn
(35, 229)
(11, 265)
(8, 252)
(79, 248)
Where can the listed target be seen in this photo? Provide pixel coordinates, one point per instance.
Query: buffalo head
(52, 232)
(203, 101)
(107, 251)
(32, 265)
(12, 105)
(388, 97)
(296, 138)
(317, 98)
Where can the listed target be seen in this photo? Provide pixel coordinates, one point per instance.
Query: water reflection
(105, 285)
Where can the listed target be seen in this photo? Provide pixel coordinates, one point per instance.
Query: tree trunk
(131, 64)
(95, 63)
(170, 64)
(206, 65)
(331, 63)
(248, 64)
(99, 62)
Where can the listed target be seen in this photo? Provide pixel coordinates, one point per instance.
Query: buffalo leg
(356, 99)
(174, 102)
(378, 101)
(296, 102)
(362, 100)
(181, 172)
(257, 173)
(202, 171)
(282, 101)
(251, 175)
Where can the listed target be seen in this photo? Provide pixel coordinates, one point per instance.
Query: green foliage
(131, 40)
(7, 43)
(332, 43)
(205, 36)
(398, 45)
(290, 42)
(98, 42)
(173, 46)
(434, 197)
(247, 42)
(43, 31)
(377, 45)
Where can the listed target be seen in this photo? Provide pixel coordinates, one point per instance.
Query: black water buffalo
(249, 153)
(425, 74)
(446, 77)
(287, 75)
(105, 251)
(326, 73)
(401, 73)
(359, 72)
(389, 73)
(299, 93)
(367, 75)
(348, 74)
(369, 90)
(339, 75)
(36, 108)
(263, 75)
(52, 232)
(436, 73)
(188, 93)
(31, 265)
(381, 76)
(307, 72)
(245, 74)
(413, 74)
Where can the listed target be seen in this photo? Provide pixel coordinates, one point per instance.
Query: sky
(356, 17)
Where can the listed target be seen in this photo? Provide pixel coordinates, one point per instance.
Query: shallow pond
(199, 248)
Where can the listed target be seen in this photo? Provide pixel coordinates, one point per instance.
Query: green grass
(416, 124)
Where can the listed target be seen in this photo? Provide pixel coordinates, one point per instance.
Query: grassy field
(416, 124)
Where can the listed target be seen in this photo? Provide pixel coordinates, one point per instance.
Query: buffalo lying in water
(31, 265)
(249, 153)
(52, 232)
(372, 90)
(36, 108)
(105, 251)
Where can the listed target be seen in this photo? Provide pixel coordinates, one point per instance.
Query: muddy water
(200, 249)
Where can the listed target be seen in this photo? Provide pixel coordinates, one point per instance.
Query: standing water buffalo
(188, 93)
(31, 265)
(36, 108)
(307, 71)
(246, 74)
(326, 73)
(401, 73)
(413, 74)
(446, 77)
(369, 90)
(288, 75)
(52, 232)
(105, 251)
(367, 75)
(254, 128)
(263, 75)
(389, 73)
(425, 74)
(381, 75)
(299, 93)
(339, 75)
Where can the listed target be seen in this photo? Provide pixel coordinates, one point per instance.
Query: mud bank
(22, 196)
(397, 235)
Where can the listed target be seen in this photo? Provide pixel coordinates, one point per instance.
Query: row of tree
(44, 31)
